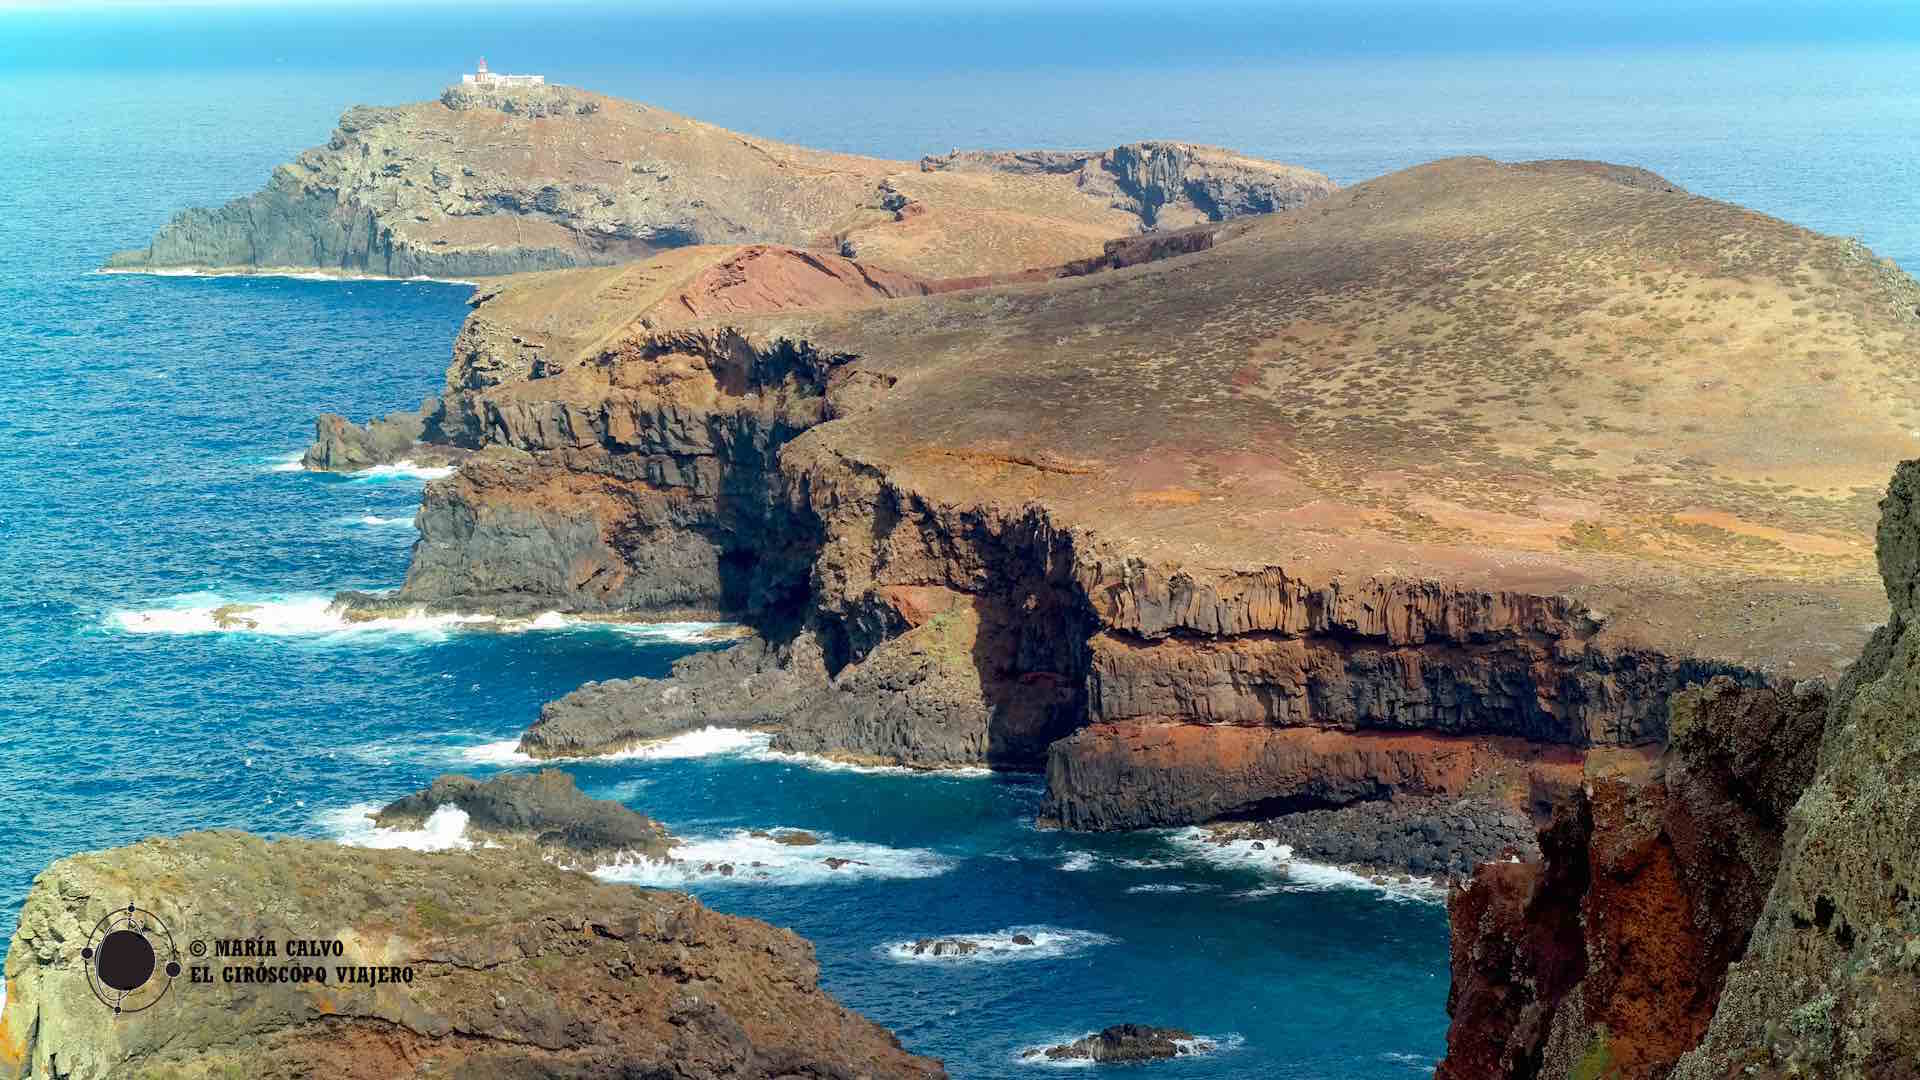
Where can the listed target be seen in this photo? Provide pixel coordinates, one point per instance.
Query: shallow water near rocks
(146, 426)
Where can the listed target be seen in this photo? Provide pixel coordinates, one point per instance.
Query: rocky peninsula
(1339, 515)
(1476, 497)
(500, 180)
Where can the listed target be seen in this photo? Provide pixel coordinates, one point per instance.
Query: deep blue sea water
(141, 420)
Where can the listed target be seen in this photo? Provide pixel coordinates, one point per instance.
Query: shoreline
(296, 273)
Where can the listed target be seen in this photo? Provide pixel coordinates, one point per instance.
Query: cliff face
(495, 181)
(1745, 908)
(1610, 954)
(1242, 511)
(491, 962)
(1830, 984)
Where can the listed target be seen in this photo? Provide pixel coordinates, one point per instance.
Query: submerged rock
(1425, 835)
(1127, 1043)
(945, 947)
(480, 963)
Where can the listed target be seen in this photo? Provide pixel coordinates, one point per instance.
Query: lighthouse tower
(483, 77)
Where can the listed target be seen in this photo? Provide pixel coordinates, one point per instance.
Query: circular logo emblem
(130, 959)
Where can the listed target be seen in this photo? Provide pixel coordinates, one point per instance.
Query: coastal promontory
(494, 180)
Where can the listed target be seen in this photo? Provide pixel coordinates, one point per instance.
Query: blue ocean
(147, 426)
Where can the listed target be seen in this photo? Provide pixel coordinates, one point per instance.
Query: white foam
(403, 470)
(1166, 887)
(827, 764)
(288, 462)
(1417, 1062)
(1298, 875)
(705, 742)
(1082, 861)
(280, 616)
(315, 613)
(503, 753)
(686, 633)
(375, 521)
(763, 860)
(1198, 1046)
(445, 829)
(1049, 943)
(290, 272)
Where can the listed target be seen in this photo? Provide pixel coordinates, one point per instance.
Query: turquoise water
(142, 419)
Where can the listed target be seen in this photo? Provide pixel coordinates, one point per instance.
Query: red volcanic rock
(1144, 774)
(1609, 957)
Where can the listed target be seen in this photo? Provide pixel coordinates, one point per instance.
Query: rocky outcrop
(543, 811)
(752, 684)
(616, 496)
(1743, 909)
(1124, 1044)
(489, 181)
(480, 963)
(1167, 184)
(1611, 954)
(340, 445)
(1142, 775)
(1830, 983)
(1440, 836)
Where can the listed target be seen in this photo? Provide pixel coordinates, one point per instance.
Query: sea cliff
(1345, 514)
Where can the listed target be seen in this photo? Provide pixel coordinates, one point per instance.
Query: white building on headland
(483, 77)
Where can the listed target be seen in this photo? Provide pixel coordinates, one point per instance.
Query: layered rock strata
(970, 524)
(485, 963)
(493, 181)
(1742, 908)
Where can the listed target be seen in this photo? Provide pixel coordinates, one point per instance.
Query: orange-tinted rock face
(1143, 774)
(1611, 955)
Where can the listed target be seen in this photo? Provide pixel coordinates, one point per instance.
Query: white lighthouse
(483, 77)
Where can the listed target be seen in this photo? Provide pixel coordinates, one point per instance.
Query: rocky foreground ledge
(369, 964)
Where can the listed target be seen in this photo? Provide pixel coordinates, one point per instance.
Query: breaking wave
(1198, 1046)
(309, 614)
(400, 470)
(445, 829)
(1048, 943)
(757, 857)
(1289, 874)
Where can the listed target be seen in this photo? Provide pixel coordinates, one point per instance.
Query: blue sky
(865, 35)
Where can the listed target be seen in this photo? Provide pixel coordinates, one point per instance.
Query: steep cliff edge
(463, 963)
(495, 181)
(1745, 907)
(1502, 453)
(1830, 984)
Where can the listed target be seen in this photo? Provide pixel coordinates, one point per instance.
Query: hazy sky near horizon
(864, 34)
